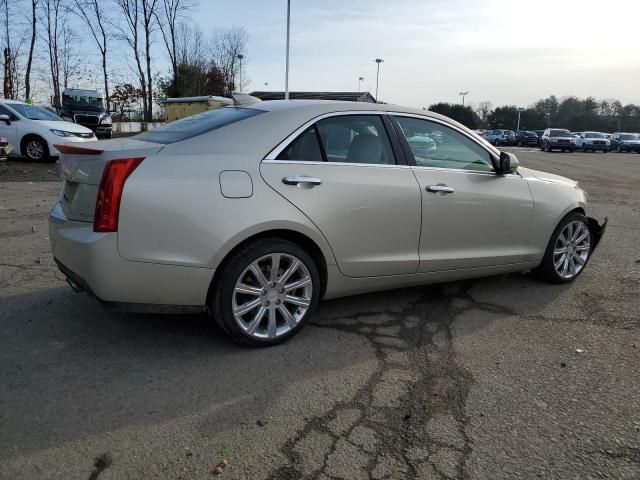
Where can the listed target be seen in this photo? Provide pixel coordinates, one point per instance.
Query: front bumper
(91, 262)
(597, 229)
(630, 147)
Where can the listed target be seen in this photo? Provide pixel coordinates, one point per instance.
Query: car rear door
(471, 217)
(349, 177)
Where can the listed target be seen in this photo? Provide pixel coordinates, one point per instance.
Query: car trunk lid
(81, 167)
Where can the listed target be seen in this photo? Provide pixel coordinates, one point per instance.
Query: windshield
(559, 133)
(196, 125)
(593, 135)
(83, 102)
(33, 112)
(630, 136)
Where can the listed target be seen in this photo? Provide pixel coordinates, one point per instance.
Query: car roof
(329, 106)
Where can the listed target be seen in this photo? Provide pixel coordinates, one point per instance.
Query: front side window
(343, 139)
(438, 146)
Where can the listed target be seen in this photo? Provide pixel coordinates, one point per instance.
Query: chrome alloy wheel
(35, 149)
(572, 249)
(272, 295)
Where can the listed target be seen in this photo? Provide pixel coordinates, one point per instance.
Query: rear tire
(553, 268)
(273, 318)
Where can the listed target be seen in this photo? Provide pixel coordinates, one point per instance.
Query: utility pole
(463, 94)
(378, 61)
(240, 57)
(286, 75)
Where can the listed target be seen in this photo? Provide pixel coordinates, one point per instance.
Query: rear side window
(343, 139)
(197, 125)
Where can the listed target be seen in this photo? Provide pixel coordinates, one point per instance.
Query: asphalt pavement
(494, 378)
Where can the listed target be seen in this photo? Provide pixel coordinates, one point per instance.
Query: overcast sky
(507, 52)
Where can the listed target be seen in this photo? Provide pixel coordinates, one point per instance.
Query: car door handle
(301, 180)
(440, 189)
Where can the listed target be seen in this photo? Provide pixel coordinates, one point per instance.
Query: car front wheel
(568, 250)
(35, 149)
(266, 292)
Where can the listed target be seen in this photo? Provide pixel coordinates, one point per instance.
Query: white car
(33, 131)
(256, 211)
(593, 141)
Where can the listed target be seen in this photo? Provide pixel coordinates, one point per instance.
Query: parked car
(500, 137)
(34, 131)
(256, 211)
(5, 148)
(539, 133)
(593, 141)
(87, 108)
(559, 139)
(625, 142)
(526, 138)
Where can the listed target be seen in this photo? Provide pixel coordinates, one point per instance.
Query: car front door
(471, 217)
(9, 131)
(346, 174)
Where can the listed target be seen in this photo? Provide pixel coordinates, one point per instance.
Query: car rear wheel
(34, 149)
(266, 292)
(568, 251)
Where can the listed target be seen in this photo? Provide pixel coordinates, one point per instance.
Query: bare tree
(149, 9)
(70, 61)
(227, 45)
(32, 47)
(130, 33)
(92, 12)
(483, 111)
(9, 54)
(53, 19)
(169, 14)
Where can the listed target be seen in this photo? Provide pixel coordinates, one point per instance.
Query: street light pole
(240, 57)
(286, 75)
(360, 80)
(463, 94)
(378, 61)
(519, 111)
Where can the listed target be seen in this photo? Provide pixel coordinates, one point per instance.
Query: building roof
(339, 96)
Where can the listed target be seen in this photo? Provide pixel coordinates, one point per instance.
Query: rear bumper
(91, 262)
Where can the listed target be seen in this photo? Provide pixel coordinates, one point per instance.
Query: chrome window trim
(273, 154)
(346, 164)
(271, 157)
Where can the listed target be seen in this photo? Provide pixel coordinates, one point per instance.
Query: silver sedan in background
(256, 211)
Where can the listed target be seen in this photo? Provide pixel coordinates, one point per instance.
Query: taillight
(114, 175)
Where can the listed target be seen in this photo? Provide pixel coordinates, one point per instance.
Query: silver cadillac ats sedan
(256, 211)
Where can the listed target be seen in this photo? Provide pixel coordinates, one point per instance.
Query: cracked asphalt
(494, 378)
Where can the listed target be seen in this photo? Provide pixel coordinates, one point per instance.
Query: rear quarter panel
(173, 211)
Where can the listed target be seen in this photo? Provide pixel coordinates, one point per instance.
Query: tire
(546, 270)
(34, 149)
(270, 302)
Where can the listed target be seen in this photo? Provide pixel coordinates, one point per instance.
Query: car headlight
(62, 133)
(106, 121)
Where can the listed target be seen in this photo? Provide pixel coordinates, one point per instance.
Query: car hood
(631, 142)
(62, 125)
(547, 177)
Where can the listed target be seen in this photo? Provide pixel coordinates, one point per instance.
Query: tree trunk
(27, 75)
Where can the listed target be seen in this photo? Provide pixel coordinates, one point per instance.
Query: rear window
(197, 125)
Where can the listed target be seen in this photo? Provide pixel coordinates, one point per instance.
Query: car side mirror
(508, 163)
(5, 118)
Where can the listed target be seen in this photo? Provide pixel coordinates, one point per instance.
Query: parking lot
(494, 378)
